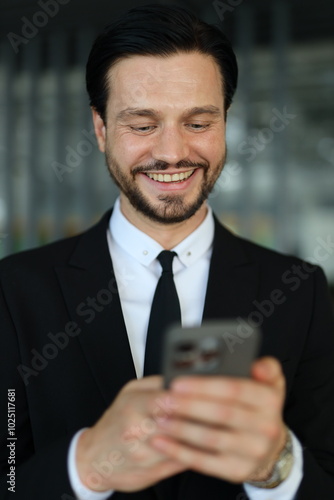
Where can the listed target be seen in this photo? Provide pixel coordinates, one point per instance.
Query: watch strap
(282, 467)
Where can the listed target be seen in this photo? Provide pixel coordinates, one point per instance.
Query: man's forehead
(176, 76)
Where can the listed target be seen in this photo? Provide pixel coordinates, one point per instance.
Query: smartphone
(214, 348)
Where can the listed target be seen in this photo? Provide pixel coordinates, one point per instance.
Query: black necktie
(165, 310)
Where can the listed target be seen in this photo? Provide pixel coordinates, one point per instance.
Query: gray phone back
(216, 348)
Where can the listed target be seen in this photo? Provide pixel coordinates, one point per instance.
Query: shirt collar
(145, 249)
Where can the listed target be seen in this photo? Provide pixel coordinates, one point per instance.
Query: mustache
(159, 165)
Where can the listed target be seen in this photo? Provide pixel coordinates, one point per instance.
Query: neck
(167, 235)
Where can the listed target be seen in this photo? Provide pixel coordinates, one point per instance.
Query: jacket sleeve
(310, 405)
(29, 473)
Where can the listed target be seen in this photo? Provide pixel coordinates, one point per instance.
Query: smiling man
(88, 423)
(165, 149)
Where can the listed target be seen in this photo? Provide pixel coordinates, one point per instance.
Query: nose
(170, 146)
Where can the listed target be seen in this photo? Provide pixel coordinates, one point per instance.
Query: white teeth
(170, 178)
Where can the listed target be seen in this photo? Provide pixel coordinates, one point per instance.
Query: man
(75, 314)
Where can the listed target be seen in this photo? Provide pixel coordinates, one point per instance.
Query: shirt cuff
(79, 489)
(287, 490)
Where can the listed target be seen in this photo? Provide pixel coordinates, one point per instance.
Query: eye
(198, 126)
(144, 129)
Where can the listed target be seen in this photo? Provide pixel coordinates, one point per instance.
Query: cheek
(129, 150)
(212, 147)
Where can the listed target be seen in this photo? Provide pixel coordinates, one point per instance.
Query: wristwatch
(282, 467)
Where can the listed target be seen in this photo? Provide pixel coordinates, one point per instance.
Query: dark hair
(160, 31)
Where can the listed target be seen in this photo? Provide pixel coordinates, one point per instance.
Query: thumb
(151, 383)
(268, 371)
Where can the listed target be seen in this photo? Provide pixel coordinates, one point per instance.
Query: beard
(170, 208)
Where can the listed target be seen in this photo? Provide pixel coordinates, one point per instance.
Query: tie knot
(166, 260)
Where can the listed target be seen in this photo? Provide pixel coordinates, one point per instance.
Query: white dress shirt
(137, 271)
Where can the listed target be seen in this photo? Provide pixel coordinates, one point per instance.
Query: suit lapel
(91, 295)
(233, 278)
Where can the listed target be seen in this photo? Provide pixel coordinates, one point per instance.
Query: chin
(169, 209)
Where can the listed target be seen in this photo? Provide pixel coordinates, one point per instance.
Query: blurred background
(278, 185)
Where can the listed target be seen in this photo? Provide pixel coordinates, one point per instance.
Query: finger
(167, 468)
(154, 382)
(225, 466)
(228, 390)
(217, 413)
(229, 416)
(218, 440)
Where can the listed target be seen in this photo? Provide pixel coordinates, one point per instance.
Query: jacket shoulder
(53, 254)
(267, 255)
(266, 258)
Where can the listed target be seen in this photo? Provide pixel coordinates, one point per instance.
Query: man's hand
(116, 452)
(230, 428)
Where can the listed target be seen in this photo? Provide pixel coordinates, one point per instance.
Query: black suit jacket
(65, 351)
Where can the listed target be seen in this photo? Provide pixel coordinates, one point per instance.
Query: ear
(100, 130)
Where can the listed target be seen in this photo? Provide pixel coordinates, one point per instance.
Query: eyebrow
(151, 113)
(203, 110)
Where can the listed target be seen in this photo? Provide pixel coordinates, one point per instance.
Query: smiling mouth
(171, 177)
